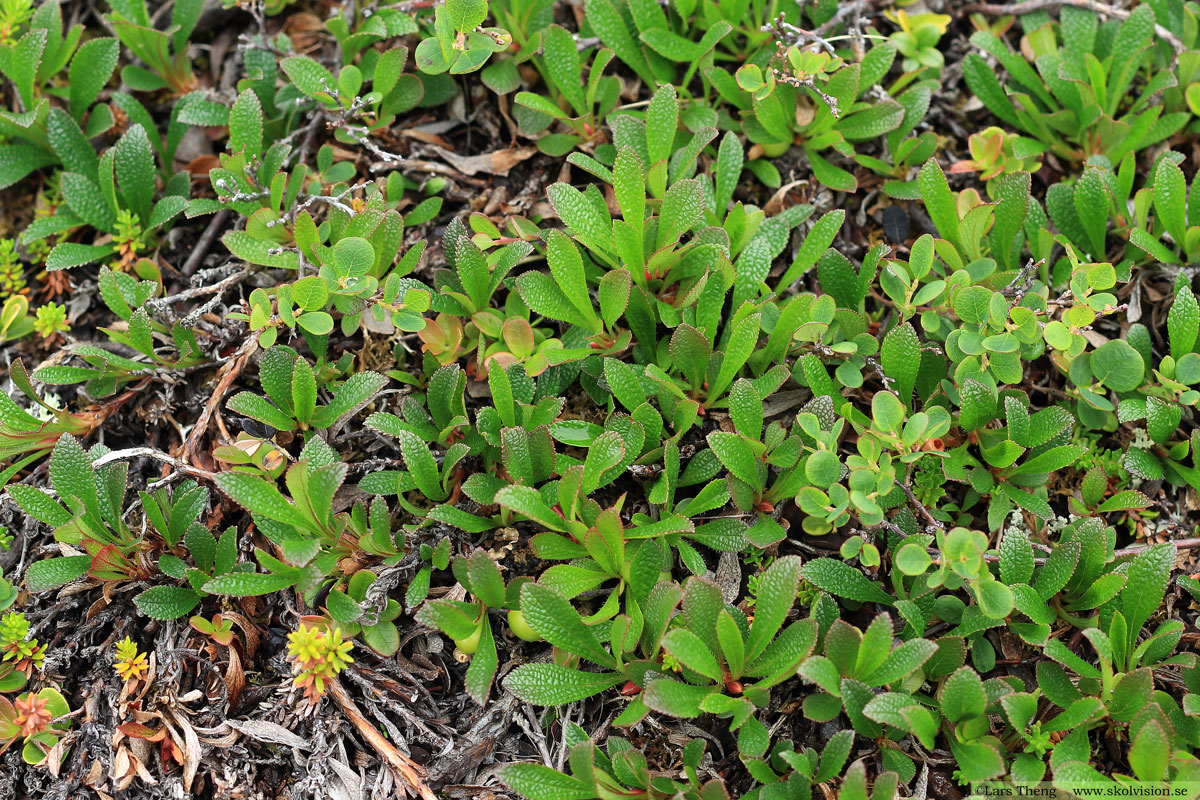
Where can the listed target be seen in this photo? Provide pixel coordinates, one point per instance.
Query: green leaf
(681, 209)
(1183, 320)
(1091, 205)
(246, 125)
(566, 266)
(963, 695)
(249, 584)
(675, 699)
(939, 201)
(70, 254)
(903, 712)
(351, 397)
(251, 405)
(902, 661)
(913, 559)
(18, 160)
(91, 68)
(1151, 749)
(901, 359)
(134, 165)
(732, 451)
(1170, 199)
(258, 497)
(486, 583)
(166, 602)
(1118, 366)
(50, 573)
(538, 782)
(263, 252)
(421, 465)
(552, 685)
(466, 15)
(308, 76)
(840, 579)
(87, 202)
(1149, 575)
(551, 615)
(1016, 556)
(544, 296)
(995, 599)
(776, 593)
(484, 663)
(526, 501)
(72, 475)
(692, 653)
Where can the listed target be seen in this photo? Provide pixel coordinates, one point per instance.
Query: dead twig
(228, 373)
(131, 453)
(1180, 544)
(408, 772)
(204, 243)
(1029, 6)
(912, 498)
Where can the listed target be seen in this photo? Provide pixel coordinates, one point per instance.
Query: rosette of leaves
(128, 298)
(439, 417)
(783, 767)
(819, 109)
(854, 664)
(1169, 399)
(622, 771)
(163, 52)
(1085, 211)
(581, 106)
(749, 453)
(96, 190)
(460, 44)
(728, 665)
(38, 136)
(469, 623)
(1041, 441)
(301, 524)
(1118, 691)
(86, 511)
(290, 384)
(1086, 88)
(1174, 235)
(1078, 576)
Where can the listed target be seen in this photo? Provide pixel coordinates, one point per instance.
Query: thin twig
(154, 306)
(204, 243)
(912, 498)
(131, 453)
(228, 373)
(1017, 9)
(410, 774)
(1180, 544)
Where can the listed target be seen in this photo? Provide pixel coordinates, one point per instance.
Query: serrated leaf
(843, 580)
(551, 615)
(166, 602)
(552, 685)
